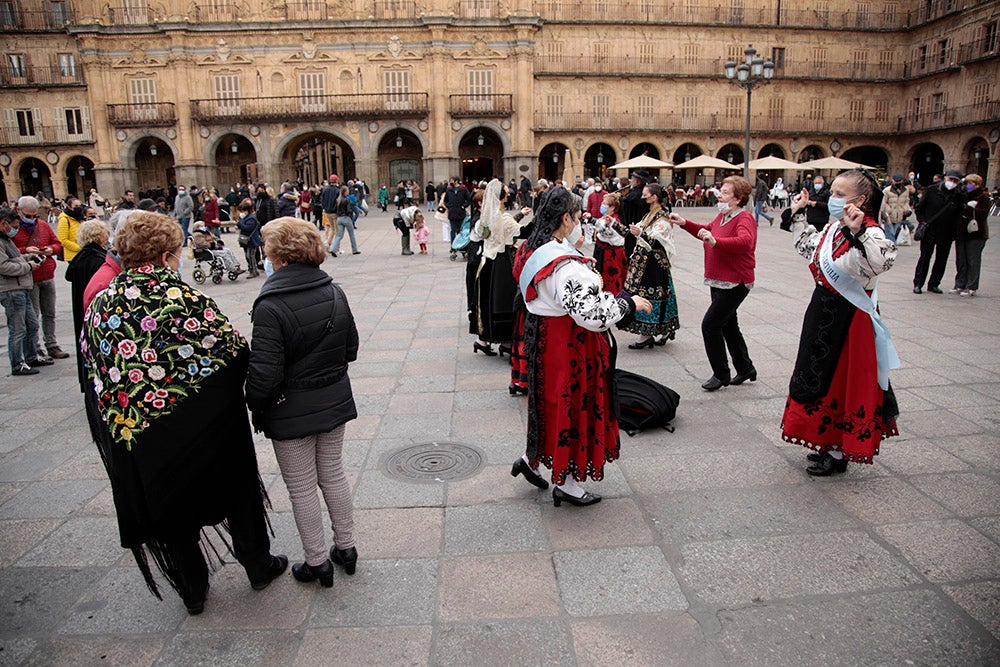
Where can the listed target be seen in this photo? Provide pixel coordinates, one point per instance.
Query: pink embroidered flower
(149, 396)
(159, 403)
(161, 393)
(209, 314)
(148, 323)
(96, 321)
(148, 355)
(114, 374)
(135, 375)
(208, 342)
(191, 324)
(132, 292)
(128, 348)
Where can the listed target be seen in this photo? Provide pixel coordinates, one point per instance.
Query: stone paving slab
(711, 546)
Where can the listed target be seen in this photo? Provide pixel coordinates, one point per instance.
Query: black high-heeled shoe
(305, 573)
(515, 390)
(649, 342)
(740, 378)
(267, 573)
(532, 477)
(502, 350)
(486, 349)
(827, 466)
(588, 498)
(346, 558)
(670, 336)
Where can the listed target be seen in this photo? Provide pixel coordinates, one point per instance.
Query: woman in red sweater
(730, 242)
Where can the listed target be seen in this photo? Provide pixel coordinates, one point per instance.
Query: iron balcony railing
(55, 18)
(214, 11)
(148, 114)
(130, 13)
(306, 107)
(978, 49)
(480, 106)
(479, 9)
(936, 119)
(394, 9)
(40, 75)
(44, 135)
(306, 10)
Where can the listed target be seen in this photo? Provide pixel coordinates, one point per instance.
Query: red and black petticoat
(835, 402)
(612, 264)
(518, 357)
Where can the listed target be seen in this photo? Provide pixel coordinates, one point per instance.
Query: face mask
(604, 209)
(575, 235)
(12, 232)
(597, 188)
(817, 186)
(836, 206)
(969, 187)
(950, 185)
(242, 215)
(723, 207)
(268, 268)
(181, 192)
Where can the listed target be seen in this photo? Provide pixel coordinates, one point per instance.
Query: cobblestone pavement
(712, 545)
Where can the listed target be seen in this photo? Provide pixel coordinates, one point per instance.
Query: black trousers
(720, 328)
(940, 249)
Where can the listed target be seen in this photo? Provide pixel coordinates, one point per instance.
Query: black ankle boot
(305, 573)
(346, 558)
(828, 466)
(271, 570)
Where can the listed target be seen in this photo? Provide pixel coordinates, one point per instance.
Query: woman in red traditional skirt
(609, 244)
(572, 427)
(840, 402)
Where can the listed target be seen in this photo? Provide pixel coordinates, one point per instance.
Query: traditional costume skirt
(649, 279)
(518, 356)
(835, 402)
(474, 251)
(495, 292)
(572, 427)
(612, 264)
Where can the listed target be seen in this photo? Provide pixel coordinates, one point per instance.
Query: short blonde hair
(292, 241)
(975, 179)
(92, 231)
(145, 236)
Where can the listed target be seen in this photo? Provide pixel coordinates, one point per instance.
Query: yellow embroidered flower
(119, 419)
(126, 434)
(173, 293)
(130, 422)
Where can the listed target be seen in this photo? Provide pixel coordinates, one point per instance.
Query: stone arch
(126, 153)
(492, 125)
(282, 146)
(387, 128)
(211, 143)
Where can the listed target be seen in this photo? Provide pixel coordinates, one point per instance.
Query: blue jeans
(758, 211)
(891, 230)
(344, 223)
(185, 223)
(22, 326)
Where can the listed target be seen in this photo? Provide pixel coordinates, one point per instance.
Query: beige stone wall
(578, 74)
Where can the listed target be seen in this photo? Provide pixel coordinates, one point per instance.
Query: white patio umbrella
(832, 162)
(707, 162)
(775, 163)
(642, 162)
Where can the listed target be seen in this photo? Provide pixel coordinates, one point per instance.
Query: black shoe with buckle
(828, 466)
(532, 477)
(559, 497)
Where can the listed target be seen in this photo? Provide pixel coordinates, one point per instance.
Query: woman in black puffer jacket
(298, 389)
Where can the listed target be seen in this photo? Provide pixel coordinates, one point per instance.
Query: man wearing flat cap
(939, 208)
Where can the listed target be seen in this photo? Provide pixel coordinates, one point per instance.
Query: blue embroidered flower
(205, 361)
(193, 369)
(206, 372)
(114, 322)
(185, 351)
(105, 346)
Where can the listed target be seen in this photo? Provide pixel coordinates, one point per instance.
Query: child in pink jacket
(421, 234)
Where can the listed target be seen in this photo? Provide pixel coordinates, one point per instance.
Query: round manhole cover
(434, 462)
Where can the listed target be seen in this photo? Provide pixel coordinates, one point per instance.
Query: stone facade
(139, 94)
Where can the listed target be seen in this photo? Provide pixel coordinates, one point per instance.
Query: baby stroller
(216, 267)
(461, 241)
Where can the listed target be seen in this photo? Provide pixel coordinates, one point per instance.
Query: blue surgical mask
(604, 209)
(969, 187)
(268, 267)
(836, 207)
(12, 232)
(817, 186)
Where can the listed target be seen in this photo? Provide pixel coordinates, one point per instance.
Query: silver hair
(27, 202)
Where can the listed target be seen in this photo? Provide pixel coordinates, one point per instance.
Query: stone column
(59, 184)
(992, 179)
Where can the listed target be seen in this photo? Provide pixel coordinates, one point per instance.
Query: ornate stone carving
(480, 50)
(138, 58)
(310, 53)
(224, 54)
(395, 50)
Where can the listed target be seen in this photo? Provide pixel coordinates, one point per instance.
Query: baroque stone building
(144, 93)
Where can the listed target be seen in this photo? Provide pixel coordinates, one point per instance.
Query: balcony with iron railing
(480, 106)
(55, 18)
(394, 9)
(148, 114)
(363, 106)
(44, 135)
(630, 65)
(130, 13)
(306, 10)
(479, 9)
(214, 11)
(31, 76)
(936, 119)
(979, 49)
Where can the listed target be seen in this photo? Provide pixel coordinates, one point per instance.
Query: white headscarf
(407, 215)
(491, 206)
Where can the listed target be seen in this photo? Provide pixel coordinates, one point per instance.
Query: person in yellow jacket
(67, 226)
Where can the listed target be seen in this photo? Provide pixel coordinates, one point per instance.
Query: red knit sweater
(732, 259)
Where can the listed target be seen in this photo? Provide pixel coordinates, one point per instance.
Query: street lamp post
(749, 75)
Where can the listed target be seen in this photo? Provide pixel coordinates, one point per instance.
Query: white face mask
(950, 185)
(575, 235)
(722, 206)
(243, 214)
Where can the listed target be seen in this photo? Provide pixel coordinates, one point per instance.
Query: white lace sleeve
(579, 291)
(806, 237)
(663, 233)
(875, 256)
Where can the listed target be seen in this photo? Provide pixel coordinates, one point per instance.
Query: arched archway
(977, 157)
(235, 160)
(400, 158)
(35, 177)
(481, 153)
(597, 159)
(873, 156)
(79, 176)
(551, 160)
(771, 150)
(154, 166)
(731, 153)
(809, 153)
(313, 155)
(685, 152)
(926, 160)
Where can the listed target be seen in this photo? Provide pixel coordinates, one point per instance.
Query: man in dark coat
(456, 200)
(940, 208)
(633, 206)
(817, 213)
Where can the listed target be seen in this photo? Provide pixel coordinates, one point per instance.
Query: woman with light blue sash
(840, 403)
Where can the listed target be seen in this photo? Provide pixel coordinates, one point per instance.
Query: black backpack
(644, 403)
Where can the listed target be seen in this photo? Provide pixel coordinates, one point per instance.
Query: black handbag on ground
(644, 403)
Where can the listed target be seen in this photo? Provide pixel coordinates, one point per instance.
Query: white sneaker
(967, 292)
(955, 290)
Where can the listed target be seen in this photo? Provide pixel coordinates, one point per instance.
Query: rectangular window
(25, 122)
(644, 106)
(554, 105)
(142, 94)
(819, 58)
(481, 89)
(942, 52)
(885, 60)
(60, 13)
(689, 106)
(736, 12)
(937, 105)
(860, 61)
(734, 106)
(921, 59)
(989, 37)
(775, 108)
(74, 121)
(735, 53)
(312, 91)
(882, 110)
(691, 52)
(857, 112)
(67, 64)
(397, 85)
(778, 57)
(822, 12)
(602, 108)
(861, 14)
(601, 52)
(227, 93)
(817, 108)
(16, 63)
(8, 15)
(980, 94)
(554, 54)
(134, 12)
(889, 12)
(646, 53)
(915, 108)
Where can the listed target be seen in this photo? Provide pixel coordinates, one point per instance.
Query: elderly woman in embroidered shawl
(572, 427)
(840, 402)
(495, 288)
(168, 371)
(649, 273)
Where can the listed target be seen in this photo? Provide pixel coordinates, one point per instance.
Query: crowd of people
(168, 382)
